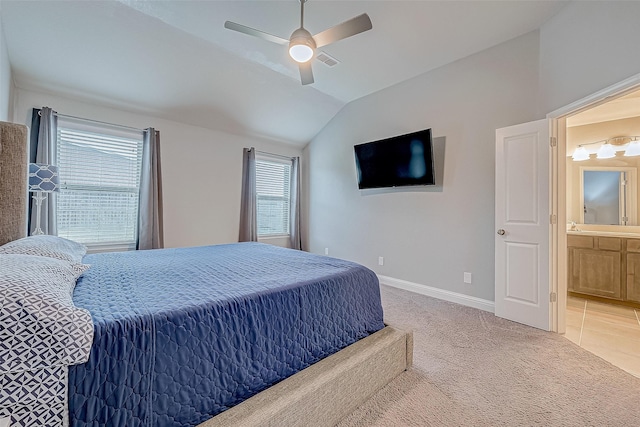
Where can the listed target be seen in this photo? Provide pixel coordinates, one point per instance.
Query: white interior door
(523, 225)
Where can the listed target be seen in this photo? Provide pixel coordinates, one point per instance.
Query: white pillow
(46, 246)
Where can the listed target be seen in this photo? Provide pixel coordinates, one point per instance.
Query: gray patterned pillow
(47, 246)
(40, 325)
(53, 278)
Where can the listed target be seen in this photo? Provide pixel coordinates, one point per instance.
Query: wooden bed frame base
(329, 390)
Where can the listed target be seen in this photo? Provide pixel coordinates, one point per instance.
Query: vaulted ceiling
(175, 59)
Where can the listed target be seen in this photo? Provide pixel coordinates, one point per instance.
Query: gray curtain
(294, 205)
(46, 154)
(150, 228)
(248, 203)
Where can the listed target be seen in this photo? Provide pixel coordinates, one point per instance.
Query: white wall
(6, 82)
(201, 168)
(586, 47)
(426, 236)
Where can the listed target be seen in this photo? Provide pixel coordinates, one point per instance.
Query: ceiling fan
(302, 44)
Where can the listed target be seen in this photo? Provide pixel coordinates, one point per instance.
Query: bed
(240, 334)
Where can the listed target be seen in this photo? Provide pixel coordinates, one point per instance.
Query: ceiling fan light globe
(301, 52)
(301, 45)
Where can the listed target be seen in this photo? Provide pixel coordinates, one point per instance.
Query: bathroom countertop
(628, 235)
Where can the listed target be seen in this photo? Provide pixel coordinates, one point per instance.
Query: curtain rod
(264, 153)
(93, 121)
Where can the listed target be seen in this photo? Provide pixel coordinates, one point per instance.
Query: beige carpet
(474, 369)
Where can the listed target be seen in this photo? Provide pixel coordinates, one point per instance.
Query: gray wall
(586, 47)
(432, 237)
(6, 83)
(428, 236)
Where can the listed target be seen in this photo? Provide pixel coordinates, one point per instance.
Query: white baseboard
(479, 303)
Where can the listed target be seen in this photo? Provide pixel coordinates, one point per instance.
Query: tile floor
(609, 331)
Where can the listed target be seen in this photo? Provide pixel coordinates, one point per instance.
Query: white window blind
(100, 170)
(273, 182)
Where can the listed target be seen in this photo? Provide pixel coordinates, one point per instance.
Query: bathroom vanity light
(609, 147)
(606, 151)
(580, 154)
(633, 149)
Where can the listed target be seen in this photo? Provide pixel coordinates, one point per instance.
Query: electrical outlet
(326, 251)
(467, 277)
(380, 260)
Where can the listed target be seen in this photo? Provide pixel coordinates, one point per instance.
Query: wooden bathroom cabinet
(604, 267)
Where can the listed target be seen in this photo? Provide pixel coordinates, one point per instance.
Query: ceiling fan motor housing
(301, 45)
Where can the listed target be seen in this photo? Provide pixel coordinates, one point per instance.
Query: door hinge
(553, 297)
(553, 141)
(553, 219)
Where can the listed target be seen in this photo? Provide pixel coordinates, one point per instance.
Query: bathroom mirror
(608, 195)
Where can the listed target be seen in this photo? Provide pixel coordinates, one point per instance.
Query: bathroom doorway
(598, 203)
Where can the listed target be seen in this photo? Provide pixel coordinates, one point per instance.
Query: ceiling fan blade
(306, 73)
(341, 31)
(253, 32)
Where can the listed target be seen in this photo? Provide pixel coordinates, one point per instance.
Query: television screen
(394, 162)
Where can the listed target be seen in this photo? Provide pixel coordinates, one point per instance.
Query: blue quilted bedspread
(183, 334)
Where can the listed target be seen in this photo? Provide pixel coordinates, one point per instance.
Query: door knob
(501, 232)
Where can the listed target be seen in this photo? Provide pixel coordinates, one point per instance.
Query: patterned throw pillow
(46, 246)
(40, 325)
(53, 278)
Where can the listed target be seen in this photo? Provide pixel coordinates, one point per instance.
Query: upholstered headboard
(13, 181)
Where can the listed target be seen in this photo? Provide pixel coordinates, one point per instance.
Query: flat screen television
(396, 162)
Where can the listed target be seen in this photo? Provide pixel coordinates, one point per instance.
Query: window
(273, 182)
(100, 168)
